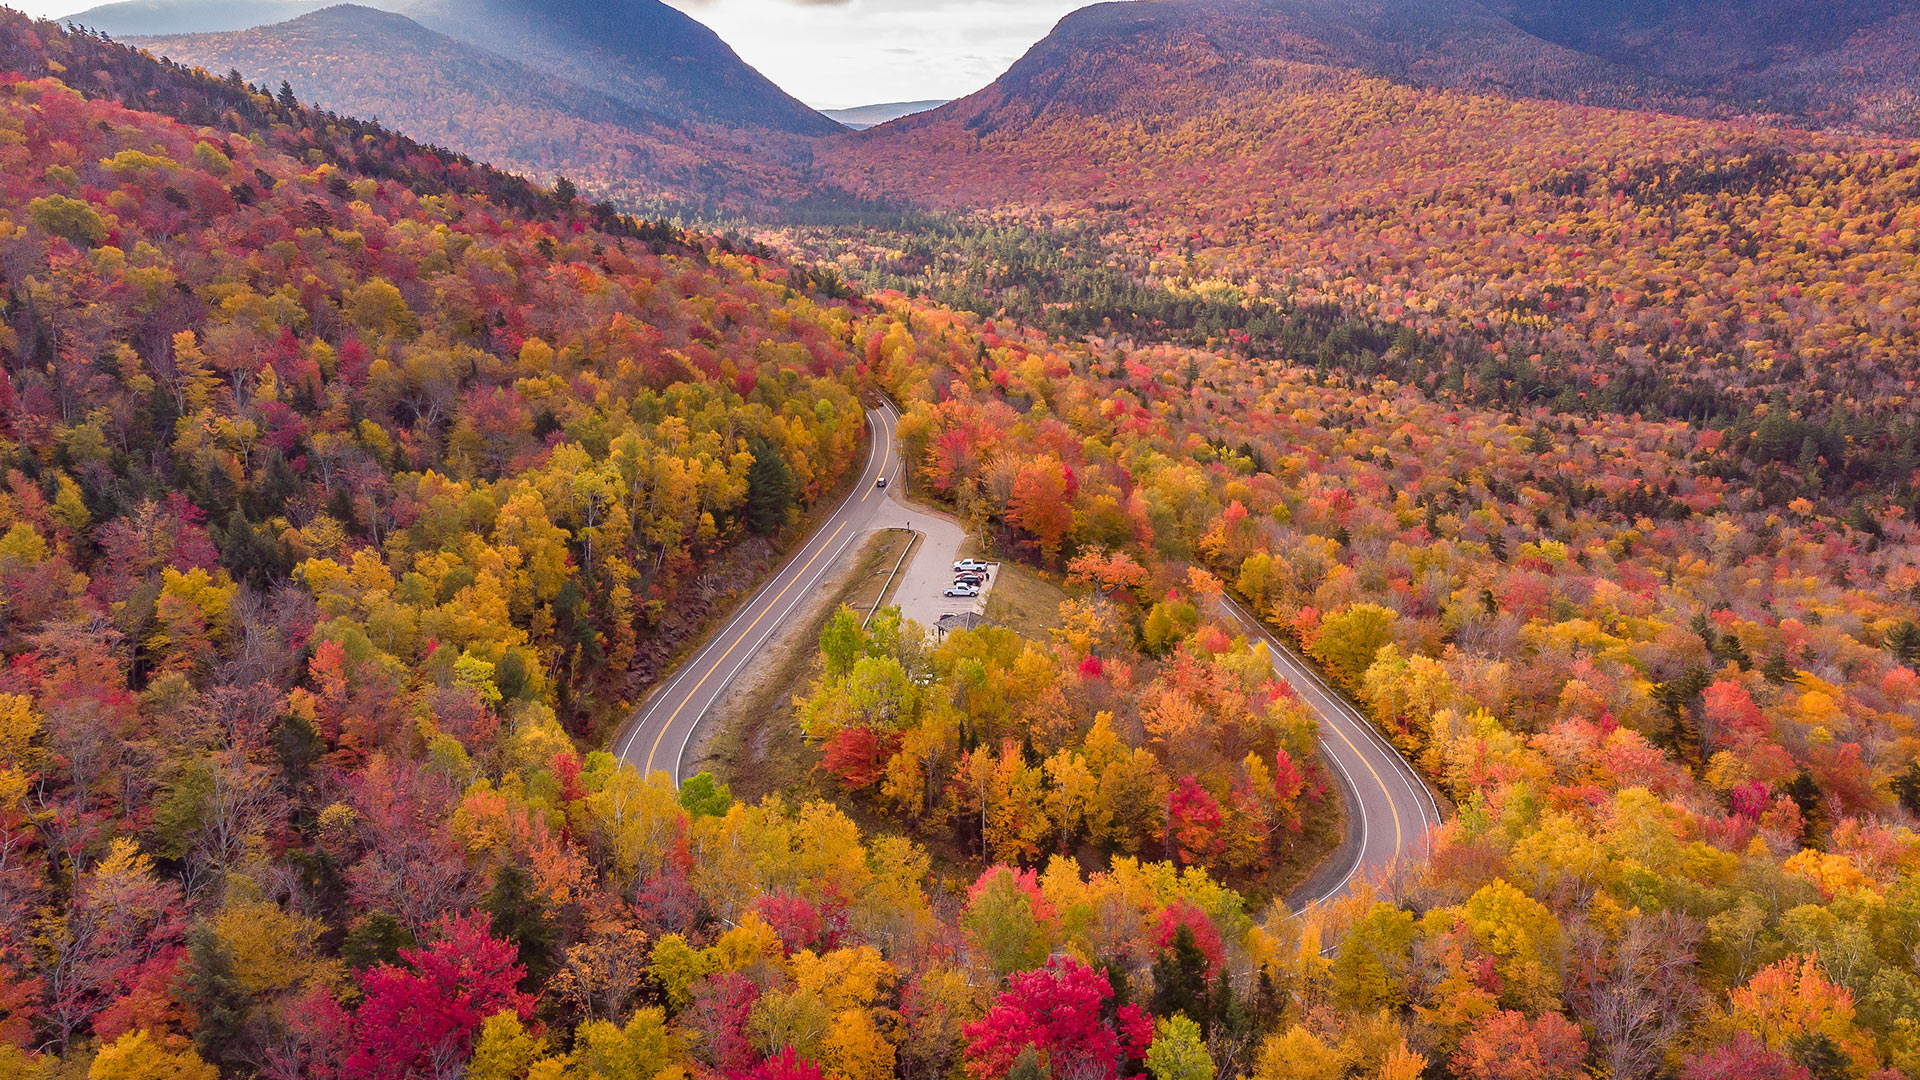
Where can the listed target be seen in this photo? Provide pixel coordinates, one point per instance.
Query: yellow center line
(1376, 779)
(771, 604)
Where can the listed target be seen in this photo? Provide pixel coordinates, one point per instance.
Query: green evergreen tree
(770, 488)
(375, 939)
(219, 1003)
(1906, 787)
(1028, 1066)
(1180, 980)
(1805, 792)
(520, 917)
(1821, 1058)
(1903, 641)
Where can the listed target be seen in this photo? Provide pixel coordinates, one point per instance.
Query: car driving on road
(880, 483)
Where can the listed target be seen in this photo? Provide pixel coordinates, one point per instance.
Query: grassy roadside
(756, 748)
(1025, 602)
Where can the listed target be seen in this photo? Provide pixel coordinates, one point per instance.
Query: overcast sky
(859, 52)
(839, 53)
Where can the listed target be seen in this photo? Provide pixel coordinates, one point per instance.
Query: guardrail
(912, 539)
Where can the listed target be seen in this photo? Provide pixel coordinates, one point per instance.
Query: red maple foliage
(1195, 821)
(1508, 1046)
(786, 1065)
(1206, 936)
(719, 1014)
(1745, 1058)
(1058, 1011)
(859, 756)
(421, 1019)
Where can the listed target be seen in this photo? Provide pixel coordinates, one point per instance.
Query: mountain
(1107, 55)
(1823, 61)
(640, 51)
(863, 117)
(134, 18)
(365, 62)
(1810, 62)
(1448, 175)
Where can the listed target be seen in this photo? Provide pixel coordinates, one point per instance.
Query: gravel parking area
(924, 581)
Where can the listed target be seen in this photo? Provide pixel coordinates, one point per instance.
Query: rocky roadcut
(1441, 569)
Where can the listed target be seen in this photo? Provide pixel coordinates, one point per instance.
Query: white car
(963, 589)
(968, 564)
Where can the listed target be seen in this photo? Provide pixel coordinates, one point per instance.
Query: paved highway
(1389, 808)
(664, 724)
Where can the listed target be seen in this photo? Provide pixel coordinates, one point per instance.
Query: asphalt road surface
(664, 724)
(1389, 809)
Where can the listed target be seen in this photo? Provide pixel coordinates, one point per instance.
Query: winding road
(665, 722)
(1389, 809)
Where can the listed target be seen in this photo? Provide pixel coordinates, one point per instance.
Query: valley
(484, 487)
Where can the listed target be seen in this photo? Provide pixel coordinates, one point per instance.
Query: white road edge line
(663, 694)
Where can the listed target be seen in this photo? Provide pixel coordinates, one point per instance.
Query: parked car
(963, 589)
(969, 564)
(880, 483)
(971, 577)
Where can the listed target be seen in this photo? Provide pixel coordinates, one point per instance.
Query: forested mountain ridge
(1811, 63)
(641, 51)
(1817, 61)
(365, 62)
(132, 18)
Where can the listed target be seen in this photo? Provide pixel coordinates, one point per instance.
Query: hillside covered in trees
(351, 487)
(363, 62)
(1495, 250)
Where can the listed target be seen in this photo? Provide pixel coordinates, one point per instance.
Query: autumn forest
(359, 488)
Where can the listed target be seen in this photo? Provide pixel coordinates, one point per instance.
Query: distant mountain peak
(641, 51)
(861, 117)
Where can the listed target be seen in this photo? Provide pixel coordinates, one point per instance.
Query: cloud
(844, 53)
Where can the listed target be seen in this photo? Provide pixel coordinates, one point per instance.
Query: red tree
(421, 1020)
(859, 756)
(1194, 817)
(1206, 937)
(786, 1065)
(1057, 1011)
(719, 1014)
(1745, 1058)
(1508, 1046)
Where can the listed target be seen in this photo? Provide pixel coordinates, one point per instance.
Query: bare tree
(1636, 991)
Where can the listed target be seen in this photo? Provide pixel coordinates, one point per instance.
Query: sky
(835, 54)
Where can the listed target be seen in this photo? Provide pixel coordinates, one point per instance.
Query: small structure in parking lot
(966, 620)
